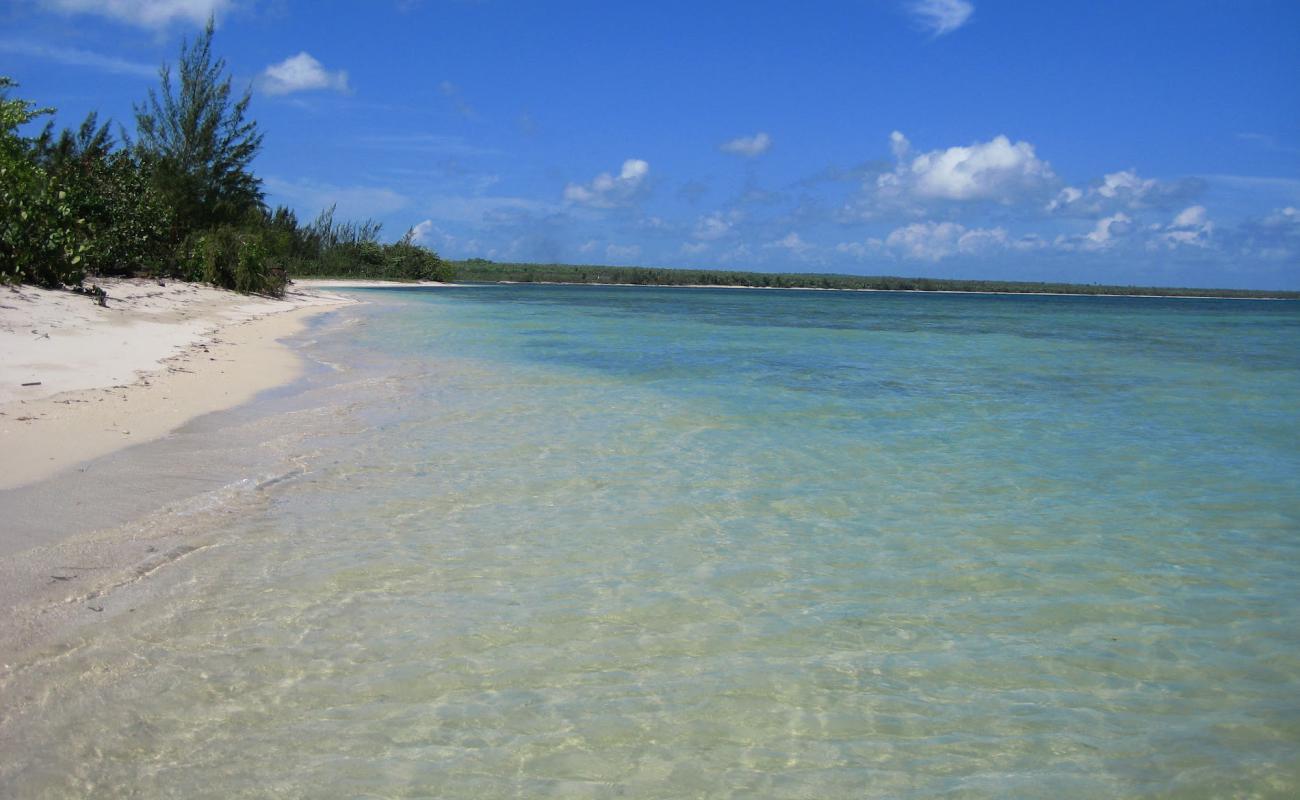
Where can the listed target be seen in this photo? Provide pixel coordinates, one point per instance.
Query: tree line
(483, 270)
(178, 199)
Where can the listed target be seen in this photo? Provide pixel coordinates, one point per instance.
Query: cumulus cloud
(609, 191)
(935, 241)
(1191, 227)
(145, 13)
(748, 146)
(1106, 233)
(941, 16)
(301, 73)
(994, 170)
(932, 241)
(1123, 190)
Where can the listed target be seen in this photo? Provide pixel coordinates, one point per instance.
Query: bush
(407, 261)
(234, 258)
(42, 240)
(130, 225)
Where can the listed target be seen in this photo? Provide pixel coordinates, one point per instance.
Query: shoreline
(106, 483)
(79, 382)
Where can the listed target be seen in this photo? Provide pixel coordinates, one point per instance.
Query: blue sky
(1116, 142)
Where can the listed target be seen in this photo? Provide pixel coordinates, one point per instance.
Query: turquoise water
(630, 542)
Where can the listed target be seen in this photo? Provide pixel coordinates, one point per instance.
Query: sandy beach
(78, 381)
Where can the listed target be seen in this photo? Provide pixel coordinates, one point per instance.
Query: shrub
(233, 258)
(42, 240)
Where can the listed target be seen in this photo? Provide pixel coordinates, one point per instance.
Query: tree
(198, 141)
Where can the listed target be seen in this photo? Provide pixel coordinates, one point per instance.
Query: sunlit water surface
(620, 542)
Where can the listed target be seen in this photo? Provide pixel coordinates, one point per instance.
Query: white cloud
(1190, 217)
(899, 146)
(78, 58)
(589, 246)
(932, 241)
(694, 248)
(145, 13)
(301, 73)
(609, 191)
(1104, 235)
(748, 146)
(941, 16)
(1122, 190)
(1191, 227)
(993, 170)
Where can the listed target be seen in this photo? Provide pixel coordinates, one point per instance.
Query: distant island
(479, 270)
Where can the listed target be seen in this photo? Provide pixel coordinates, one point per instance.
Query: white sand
(156, 357)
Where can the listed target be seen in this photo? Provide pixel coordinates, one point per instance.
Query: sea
(518, 541)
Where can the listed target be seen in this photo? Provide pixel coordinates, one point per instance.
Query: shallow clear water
(629, 542)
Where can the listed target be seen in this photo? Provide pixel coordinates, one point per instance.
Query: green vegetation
(330, 249)
(179, 201)
(488, 271)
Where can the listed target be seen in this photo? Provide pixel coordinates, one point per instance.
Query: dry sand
(103, 378)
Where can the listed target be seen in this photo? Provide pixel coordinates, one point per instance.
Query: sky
(1137, 143)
